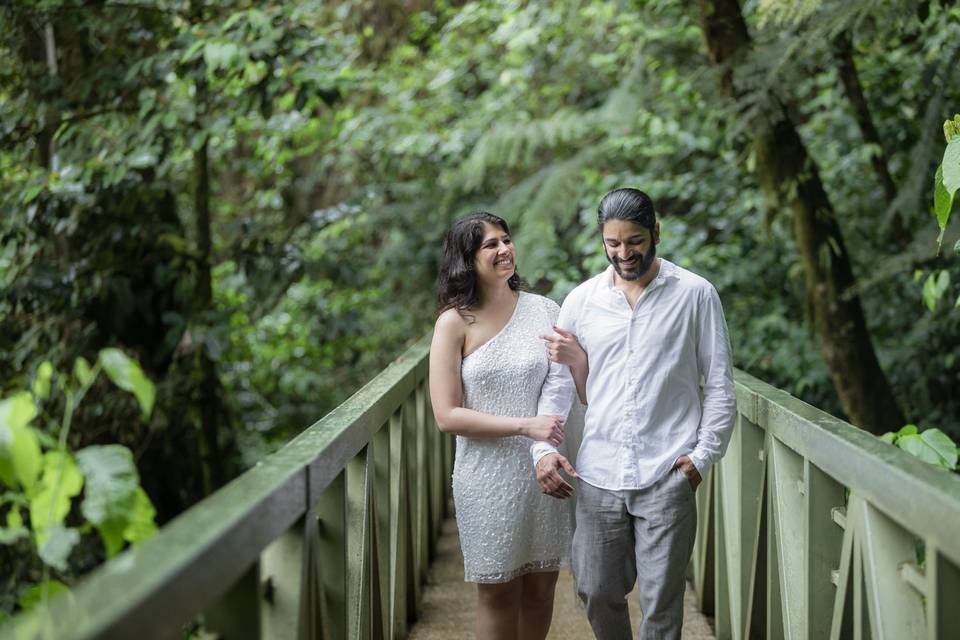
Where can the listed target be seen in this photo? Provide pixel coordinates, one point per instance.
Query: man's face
(630, 248)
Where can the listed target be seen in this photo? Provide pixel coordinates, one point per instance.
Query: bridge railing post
(820, 530)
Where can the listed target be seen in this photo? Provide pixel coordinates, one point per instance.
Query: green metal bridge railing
(809, 528)
(812, 528)
(330, 537)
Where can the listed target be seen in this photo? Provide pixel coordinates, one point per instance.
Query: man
(650, 331)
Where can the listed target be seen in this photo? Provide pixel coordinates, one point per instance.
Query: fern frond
(540, 205)
(516, 145)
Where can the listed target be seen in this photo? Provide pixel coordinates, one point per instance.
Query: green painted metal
(332, 552)
(821, 530)
(328, 538)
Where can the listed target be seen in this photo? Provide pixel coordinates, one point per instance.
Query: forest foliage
(248, 199)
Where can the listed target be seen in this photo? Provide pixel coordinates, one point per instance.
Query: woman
(487, 369)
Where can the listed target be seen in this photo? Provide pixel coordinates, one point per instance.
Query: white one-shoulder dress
(507, 526)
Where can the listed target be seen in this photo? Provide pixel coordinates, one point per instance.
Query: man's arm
(564, 348)
(556, 395)
(719, 396)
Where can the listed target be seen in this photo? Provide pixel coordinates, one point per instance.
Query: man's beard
(643, 265)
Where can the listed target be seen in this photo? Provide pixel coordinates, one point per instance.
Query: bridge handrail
(812, 528)
(322, 491)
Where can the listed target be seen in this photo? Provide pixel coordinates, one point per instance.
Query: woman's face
(495, 259)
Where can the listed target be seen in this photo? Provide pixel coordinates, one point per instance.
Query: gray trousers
(622, 535)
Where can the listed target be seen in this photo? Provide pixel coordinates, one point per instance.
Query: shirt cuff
(540, 449)
(701, 462)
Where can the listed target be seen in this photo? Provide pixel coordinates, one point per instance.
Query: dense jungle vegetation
(219, 219)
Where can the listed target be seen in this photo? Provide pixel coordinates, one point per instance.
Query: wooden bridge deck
(449, 603)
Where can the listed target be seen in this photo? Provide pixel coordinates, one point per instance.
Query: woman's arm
(446, 393)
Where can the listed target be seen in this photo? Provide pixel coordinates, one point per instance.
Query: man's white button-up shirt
(644, 407)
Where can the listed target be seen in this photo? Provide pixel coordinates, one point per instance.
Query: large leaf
(111, 493)
(942, 444)
(112, 482)
(915, 445)
(126, 374)
(20, 456)
(50, 499)
(58, 543)
(951, 166)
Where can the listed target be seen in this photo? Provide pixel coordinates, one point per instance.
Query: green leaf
(191, 53)
(20, 457)
(934, 287)
(907, 429)
(41, 383)
(31, 193)
(82, 372)
(10, 535)
(141, 525)
(888, 437)
(17, 411)
(942, 444)
(169, 120)
(219, 55)
(14, 519)
(57, 546)
(126, 374)
(60, 482)
(34, 595)
(915, 445)
(110, 499)
(111, 532)
(942, 203)
(951, 166)
(112, 481)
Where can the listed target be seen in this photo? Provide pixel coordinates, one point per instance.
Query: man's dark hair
(628, 204)
(457, 284)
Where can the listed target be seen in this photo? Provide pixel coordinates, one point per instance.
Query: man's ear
(656, 233)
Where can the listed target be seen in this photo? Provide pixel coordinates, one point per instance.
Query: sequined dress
(507, 526)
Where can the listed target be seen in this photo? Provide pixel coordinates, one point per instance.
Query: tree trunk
(789, 177)
(208, 398)
(850, 79)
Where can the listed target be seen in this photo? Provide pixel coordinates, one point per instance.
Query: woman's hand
(563, 348)
(543, 428)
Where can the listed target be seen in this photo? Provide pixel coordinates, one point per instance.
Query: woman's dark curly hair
(457, 284)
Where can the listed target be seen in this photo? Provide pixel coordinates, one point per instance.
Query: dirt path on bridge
(449, 603)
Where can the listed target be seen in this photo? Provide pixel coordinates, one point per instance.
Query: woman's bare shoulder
(451, 323)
